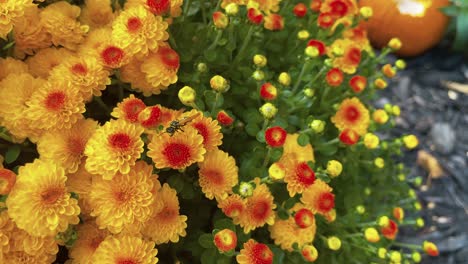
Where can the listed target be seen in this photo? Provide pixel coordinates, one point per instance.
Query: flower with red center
(89, 239)
(208, 128)
(66, 147)
(232, 206)
(217, 174)
(319, 197)
(7, 181)
(325, 20)
(352, 114)
(390, 230)
(318, 44)
(398, 213)
(296, 151)
(300, 10)
(125, 249)
(39, 202)
(112, 56)
(315, 5)
(268, 91)
(255, 253)
(304, 218)
(150, 117)
(137, 31)
(113, 148)
(275, 136)
(299, 176)
(334, 77)
(129, 109)
(220, 20)
(159, 7)
(178, 151)
(310, 253)
(358, 83)
(166, 224)
(225, 240)
(255, 16)
(339, 8)
(349, 136)
(224, 118)
(345, 54)
(160, 68)
(430, 249)
(274, 22)
(259, 209)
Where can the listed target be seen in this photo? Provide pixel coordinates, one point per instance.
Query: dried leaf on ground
(458, 87)
(430, 164)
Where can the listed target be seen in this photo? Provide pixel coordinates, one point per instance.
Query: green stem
(99, 101)
(325, 93)
(186, 8)
(267, 158)
(304, 67)
(331, 142)
(214, 104)
(405, 245)
(318, 74)
(219, 34)
(244, 46)
(6, 137)
(202, 3)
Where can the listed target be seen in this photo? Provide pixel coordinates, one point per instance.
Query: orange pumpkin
(417, 23)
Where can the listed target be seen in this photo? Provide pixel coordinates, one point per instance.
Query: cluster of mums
(94, 187)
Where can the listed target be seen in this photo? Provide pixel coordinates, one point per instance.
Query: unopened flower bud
(309, 92)
(410, 141)
(187, 95)
(366, 12)
(317, 126)
(219, 84)
(245, 189)
(400, 64)
(284, 78)
(334, 168)
(420, 222)
(232, 9)
(395, 43)
(303, 34)
(312, 52)
(383, 221)
(334, 243)
(416, 257)
(430, 249)
(201, 67)
(360, 209)
(220, 20)
(310, 253)
(382, 253)
(258, 75)
(379, 163)
(372, 235)
(380, 83)
(395, 257)
(276, 171)
(371, 141)
(260, 60)
(396, 111)
(268, 110)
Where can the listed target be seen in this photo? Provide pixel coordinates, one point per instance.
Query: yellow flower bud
(245, 189)
(219, 84)
(417, 206)
(395, 257)
(379, 163)
(410, 141)
(220, 20)
(395, 43)
(268, 110)
(232, 9)
(312, 51)
(400, 64)
(366, 12)
(420, 222)
(380, 83)
(187, 95)
(372, 235)
(201, 67)
(380, 116)
(371, 141)
(411, 193)
(317, 125)
(388, 71)
(382, 253)
(360, 209)
(334, 243)
(276, 171)
(309, 92)
(416, 256)
(260, 60)
(334, 168)
(258, 75)
(284, 78)
(303, 34)
(396, 111)
(401, 177)
(383, 221)
(367, 191)
(337, 51)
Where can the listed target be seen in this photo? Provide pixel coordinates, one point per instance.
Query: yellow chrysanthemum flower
(124, 203)
(350, 58)
(131, 73)
(254, 252)
(59, 20)
(287, 232)
(125, 249)
(97, 13)
(11, 10)
(18, 88)
(89, 239)
(129, 109)
(319, 198)
(10, 65)
(55, 105)
(298, 175)
(352, 114)
(86, 73)
(259, 209)
(80, 183)
(40, 203)
(217, 174)
(138, 31)
(66, 147)
(30, 36)
(113, 148)
(208, 128)
(161, 67)
(178, 151)
(166, 224)
(42, 63)
(293, 149)
(232, 206)
(21, 257)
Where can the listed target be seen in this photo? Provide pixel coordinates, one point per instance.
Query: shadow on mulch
(439, 118)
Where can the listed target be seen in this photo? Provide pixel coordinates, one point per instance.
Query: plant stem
(186, 8)
(304, 66)
(99, 101)
(267, 157)
(214, 104)
(215, 42)
(405, 245)
(243, 47)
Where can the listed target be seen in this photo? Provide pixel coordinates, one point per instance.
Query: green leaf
(176, 182)
(209, 256)
(303, 139)
(276, 154)
(278, 254)
(461, 38)
(283, 214)
(252, 129)
(206, 241)
(225, 223)
(210, 55)
(12, 154)
(451, 10)
(290, 203)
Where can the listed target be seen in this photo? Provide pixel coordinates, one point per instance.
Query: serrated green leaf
(206, 241)
(12, 154)
(303, 140)
(209, 256)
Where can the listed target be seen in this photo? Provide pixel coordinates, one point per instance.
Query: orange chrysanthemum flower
(334, 77)
(113, 148)
(7, 180)
(11, 10)
(217, 174)
(97, 13)
(129, 109)
(349, 136)
(55, 105)
(339, 8)
(161, 67)
(89, 239)
(325, 20)
(300, 10)
(274, 22)
(351, 57)
(390, 230)
(138, 31)
(275, 136)
(42, 63)
(295, 151)
(125, 249)
(430, 249)
(131, 73)
(304, 218)
(358, 83)
(225, 240)
(317, 44)
(310, 253)
(10, 65)
(268, 91)
(124, 203)
(298, 175)
(285, 233)
(166, 224)
(178, 151)
(66, 147)
(352, 114)
(80, 183)
(150, 118)
(319, 197)
(255, 253)
(59, 20)
(232, 206)
(224, 118)
(208, 128)
(40, 203)
(86, 73)
(259, 209)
